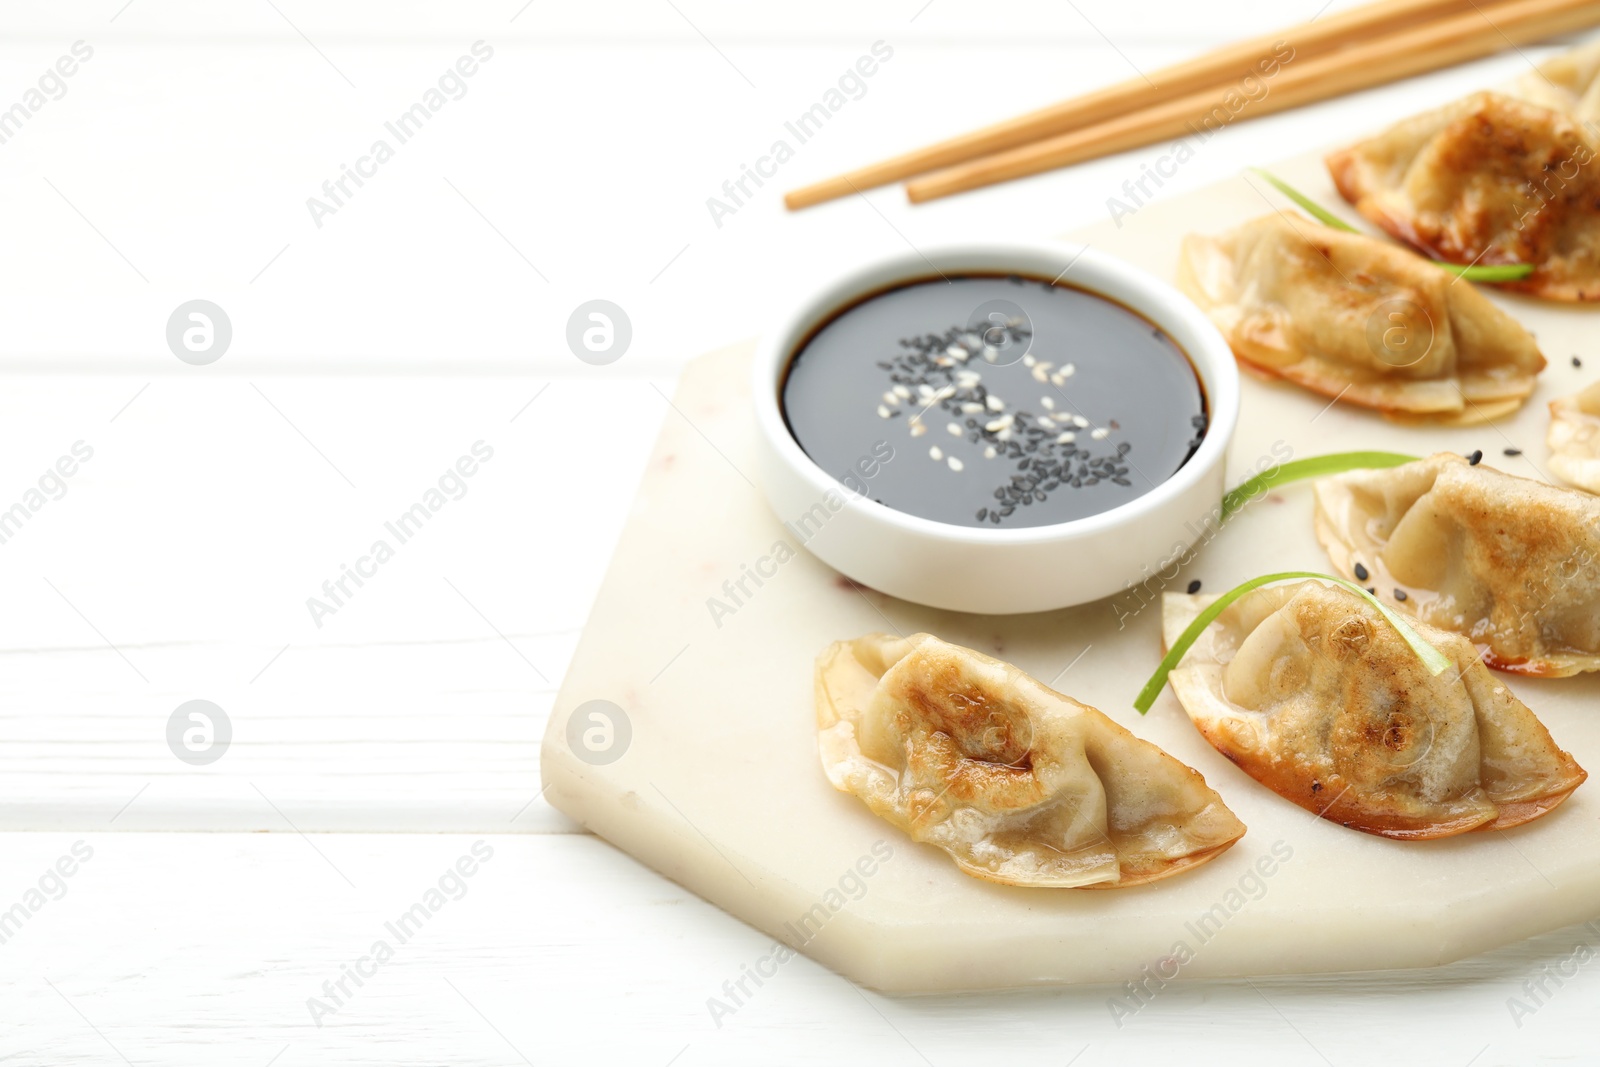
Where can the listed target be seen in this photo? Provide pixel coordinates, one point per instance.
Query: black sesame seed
(1122, 481)
(1576, 362)
(1361, 573)
(983, 513)
(1399, 594)
(1194, 587)
(1372, 589)
(1007, 510)
(1513, 451)
(1000, 494)
(1476, 457)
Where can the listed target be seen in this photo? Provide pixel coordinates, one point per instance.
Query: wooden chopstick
(1226, 65)
(1423, 48)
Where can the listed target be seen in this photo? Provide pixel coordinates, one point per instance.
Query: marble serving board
(703, 760)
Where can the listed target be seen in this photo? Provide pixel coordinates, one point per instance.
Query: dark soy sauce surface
(1008, 401)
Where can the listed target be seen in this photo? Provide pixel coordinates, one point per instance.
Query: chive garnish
(1322, 214)
(1311, 467)
(1431, 657)
(1494, 272)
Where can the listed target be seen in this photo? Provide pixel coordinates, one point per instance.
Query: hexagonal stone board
(719, 787)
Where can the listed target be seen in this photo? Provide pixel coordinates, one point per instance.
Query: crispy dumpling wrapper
(1568, 83)
(1574, 439)
(1355, 317)
(1018, 783)
(1311, 692)
(1510, 563)
(1495, 178)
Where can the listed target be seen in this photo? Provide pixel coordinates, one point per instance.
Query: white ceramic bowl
(997, 571)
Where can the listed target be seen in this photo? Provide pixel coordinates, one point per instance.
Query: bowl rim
(1166, 307)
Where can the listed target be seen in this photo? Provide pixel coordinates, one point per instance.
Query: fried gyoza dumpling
(1489, 180)
(1510, 563)
(1574, 438)
(1355, 317)
(1311, 692)
(1568, 83)
(1019, 784)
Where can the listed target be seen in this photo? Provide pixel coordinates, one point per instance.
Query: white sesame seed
(883, 412)
(1066, 438)
(989, 453)
(1099, 433)
(936, 452)
(968, 378)
(955, 464)
(991, 353)
(901, 391)
(956, 352)
(995, 403)
(1046, 422)
(944, 361)
(918, 428)
(1041, 372)
(1028, 361)
(1003, 435)
(1080, 422)
(891, 398)
(924, 390)
(954, 428)
(1050, 405)
(1069, 370)
(995, 425)
(971, 407)
(944, 392)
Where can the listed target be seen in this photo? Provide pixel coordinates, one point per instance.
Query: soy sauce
(1001, 401)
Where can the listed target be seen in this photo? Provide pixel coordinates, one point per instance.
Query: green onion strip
(1431, 657)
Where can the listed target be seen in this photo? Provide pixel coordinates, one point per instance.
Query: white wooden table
(424, 316)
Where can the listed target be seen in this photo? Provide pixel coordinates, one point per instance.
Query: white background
(370, 353)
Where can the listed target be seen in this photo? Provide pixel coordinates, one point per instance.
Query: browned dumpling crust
(1359, 318)
(1018, 783)
(1574, 439)
(1311, 692)
(1509, 563)
(1490, 179)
